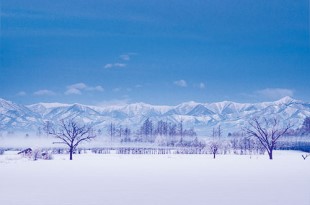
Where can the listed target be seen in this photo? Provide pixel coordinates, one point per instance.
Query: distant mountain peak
(51, 105)
(286, 100)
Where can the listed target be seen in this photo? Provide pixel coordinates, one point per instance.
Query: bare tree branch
(71, 134)
(267, 132)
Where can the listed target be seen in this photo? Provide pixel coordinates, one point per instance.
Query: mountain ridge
(202, 116)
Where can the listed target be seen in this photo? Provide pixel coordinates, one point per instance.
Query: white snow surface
(112, 179)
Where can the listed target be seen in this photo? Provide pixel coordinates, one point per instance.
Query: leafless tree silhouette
(71, 134)
(216, 142)
(267, 132)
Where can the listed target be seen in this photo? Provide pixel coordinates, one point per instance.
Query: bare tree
(120, 131)
(127, 133)
(71, 134)
(214, 147)
(215, 143)
(219, 131)
(181, 132)
(47, 126)
(267, 132)
(112, 130)
(147, 130)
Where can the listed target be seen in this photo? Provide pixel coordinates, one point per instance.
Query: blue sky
(159, 52)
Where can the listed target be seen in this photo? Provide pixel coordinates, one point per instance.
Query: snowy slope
(201, 116)
(14, 116)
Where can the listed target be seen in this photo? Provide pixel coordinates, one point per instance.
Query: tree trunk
(71, 153)
(214, 155)
(270, 155)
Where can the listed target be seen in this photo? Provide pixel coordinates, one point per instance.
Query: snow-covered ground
(92, 179)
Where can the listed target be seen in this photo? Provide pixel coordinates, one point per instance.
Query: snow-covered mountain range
(202, 116)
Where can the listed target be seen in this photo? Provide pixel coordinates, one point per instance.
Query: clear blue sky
(158, 52)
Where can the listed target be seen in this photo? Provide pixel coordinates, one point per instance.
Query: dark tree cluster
(172, 133)
(149, 130)
(118, 132)
(243, 145)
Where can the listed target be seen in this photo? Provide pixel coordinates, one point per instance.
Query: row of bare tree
(266, 132)
(148, 131)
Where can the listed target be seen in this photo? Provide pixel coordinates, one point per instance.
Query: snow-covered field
(92, 179)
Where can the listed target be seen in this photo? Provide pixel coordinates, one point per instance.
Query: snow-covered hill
(202, 116)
